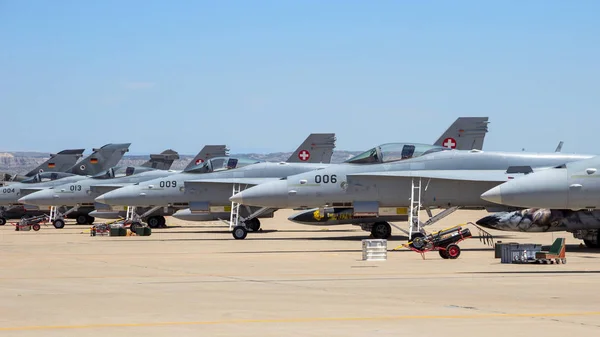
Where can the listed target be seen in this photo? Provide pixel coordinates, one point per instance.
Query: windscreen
(390, 152)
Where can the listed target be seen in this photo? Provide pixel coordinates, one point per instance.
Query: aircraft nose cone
(493, 195)
(272, 194)
(40, 198)
(542, 189)
(124, 196)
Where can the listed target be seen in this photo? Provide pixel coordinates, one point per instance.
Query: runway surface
(194, 279)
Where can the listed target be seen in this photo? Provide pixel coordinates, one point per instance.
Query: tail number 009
(168, 183)
(325, 179)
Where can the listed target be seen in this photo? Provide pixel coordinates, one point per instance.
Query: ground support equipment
(34, 223)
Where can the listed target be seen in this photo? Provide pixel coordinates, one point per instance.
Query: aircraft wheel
(381, 230)
(239, 232)
(591, 244)
(153, 222)
(90, 220)
(453, 251)
(253, 224)
(36, 227)
(2, 221)
(58, 224)
(134, 226)
(162, 222)
(444, 254)
(82, 219)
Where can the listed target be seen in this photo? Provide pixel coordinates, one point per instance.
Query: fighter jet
(60, 162)
(391, 177)
(165, 196)
(101, 159)
(465, 133)
(79, 196)
(564, 198)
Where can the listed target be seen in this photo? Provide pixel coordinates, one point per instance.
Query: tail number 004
(325, 179)
(168, 183)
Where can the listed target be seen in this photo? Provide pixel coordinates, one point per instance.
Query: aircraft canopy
(121, 171)
(221, 164)
(390, 152)
(46, 176)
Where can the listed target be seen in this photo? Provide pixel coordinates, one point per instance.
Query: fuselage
(10, 194)
(171, 191)
(86, 190)
(341, 185)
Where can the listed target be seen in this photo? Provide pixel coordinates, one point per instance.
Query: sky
(260, 76)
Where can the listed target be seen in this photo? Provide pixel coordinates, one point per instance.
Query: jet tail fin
(316, 148)
(59, 162)
(466, 133)
(207, 152)
(162, 161)
(101, 159)
(559, 147)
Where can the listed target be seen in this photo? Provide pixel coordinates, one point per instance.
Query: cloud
(139, 85)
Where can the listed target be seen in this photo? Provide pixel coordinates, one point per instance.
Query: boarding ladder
(234, 216)
(130, 213)
(415, 208)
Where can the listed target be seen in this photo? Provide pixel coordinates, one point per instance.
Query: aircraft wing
(101, 189)
(459, 175)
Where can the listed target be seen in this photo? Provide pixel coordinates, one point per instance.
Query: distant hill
(23, 162)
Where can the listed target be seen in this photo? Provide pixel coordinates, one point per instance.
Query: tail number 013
(326, 179)
(168, 183)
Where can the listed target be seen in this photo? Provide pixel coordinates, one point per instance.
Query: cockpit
(393, 152)
(121, 171)
(221, 164)
(46, 176)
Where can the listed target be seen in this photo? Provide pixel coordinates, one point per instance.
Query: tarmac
(194, 279)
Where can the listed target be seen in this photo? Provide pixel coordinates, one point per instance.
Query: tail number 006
(167, 183)
(326, 179)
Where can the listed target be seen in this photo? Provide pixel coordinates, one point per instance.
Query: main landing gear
(381, 230)
(156, 221)
(84, 219)
(240, 232)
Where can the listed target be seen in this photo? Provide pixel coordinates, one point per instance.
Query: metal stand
(415, 208)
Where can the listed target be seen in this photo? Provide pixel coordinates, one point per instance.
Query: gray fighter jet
(101, 159)
(391, 177)
(78, 196)
(59, 162)
(464, 133)
(564, 198)
(166, 195)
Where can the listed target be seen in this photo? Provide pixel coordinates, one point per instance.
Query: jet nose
(494, 195)
(542, 189)
(272, 194)
(41, 198)
(123, 196)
